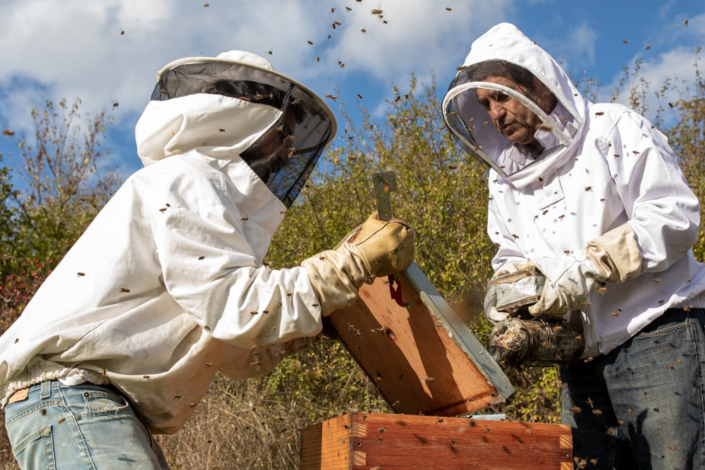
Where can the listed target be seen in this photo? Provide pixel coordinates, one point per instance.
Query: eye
(500, 97)
(285, 132)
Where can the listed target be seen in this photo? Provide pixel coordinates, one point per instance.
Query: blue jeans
(641, 406)
(82, 427)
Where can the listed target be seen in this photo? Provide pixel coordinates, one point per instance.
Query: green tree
(64, 182)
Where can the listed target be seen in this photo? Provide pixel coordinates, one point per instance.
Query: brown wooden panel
(409, 355)
(328, 445)
(404, 441)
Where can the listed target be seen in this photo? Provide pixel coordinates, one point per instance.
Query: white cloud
(420, 35)
(71, 48)
(675, 64)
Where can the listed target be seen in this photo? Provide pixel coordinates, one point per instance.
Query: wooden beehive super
(422, 358)
(387, 441)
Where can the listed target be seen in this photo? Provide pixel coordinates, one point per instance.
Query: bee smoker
(523, 338)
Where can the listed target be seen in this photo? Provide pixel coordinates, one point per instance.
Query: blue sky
(51, 49)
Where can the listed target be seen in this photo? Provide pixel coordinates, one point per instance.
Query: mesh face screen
(284, 156)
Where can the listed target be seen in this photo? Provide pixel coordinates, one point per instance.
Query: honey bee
(258, 97)
(8, 132)
(599, 113)
(200, 258)
(331, 97)
(359, 96)
(685, 23)
(254, 313)
(448, 9)
(81, 274)
(601, 290)
(616, 155)
(332, 10)
(625, 41)
(657, 280)
(310, 42)
(348, 9)
(221, 129)
(318, 59)
(545, 127)
(363, 30)
(515, 236)
(115, 104)
(123, 289)
(614, 314)
(270, 52)
(163, 209)
(648, 47)
(397, 99)
(561, 216)
(376, 12)
(122, 33)
(206, 5)
(588, 188)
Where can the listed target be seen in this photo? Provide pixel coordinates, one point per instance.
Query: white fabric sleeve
(210, 270)
(661, 208)
(507, 249)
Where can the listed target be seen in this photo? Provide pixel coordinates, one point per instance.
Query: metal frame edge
(460, 333)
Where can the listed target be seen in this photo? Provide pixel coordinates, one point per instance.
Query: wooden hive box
(388, 441)
(422, 358)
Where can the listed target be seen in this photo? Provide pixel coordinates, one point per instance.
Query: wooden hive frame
(385, 441)
(422, 358)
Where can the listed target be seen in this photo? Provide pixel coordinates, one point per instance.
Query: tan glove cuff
(616, 254)
(336, 276)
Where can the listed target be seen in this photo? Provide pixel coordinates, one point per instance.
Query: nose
(496, 110)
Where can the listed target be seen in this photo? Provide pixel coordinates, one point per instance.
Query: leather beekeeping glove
(491, 312)
(379, 248)
(570, 279)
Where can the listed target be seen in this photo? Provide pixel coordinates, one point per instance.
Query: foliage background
(442, 193)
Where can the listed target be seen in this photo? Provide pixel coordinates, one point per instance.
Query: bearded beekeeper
(167, 287)
(592, 195)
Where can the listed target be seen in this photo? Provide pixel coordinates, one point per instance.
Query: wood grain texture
(409, 356)
(404, 441)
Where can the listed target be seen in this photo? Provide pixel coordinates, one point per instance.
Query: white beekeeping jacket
(604, 166)
(166, 286)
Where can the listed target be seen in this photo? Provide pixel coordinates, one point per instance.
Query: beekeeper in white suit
(167, 287)
(592, 195)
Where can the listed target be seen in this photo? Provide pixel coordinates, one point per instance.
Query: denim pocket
(663, 331)
(36, 450)
(104, 402)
